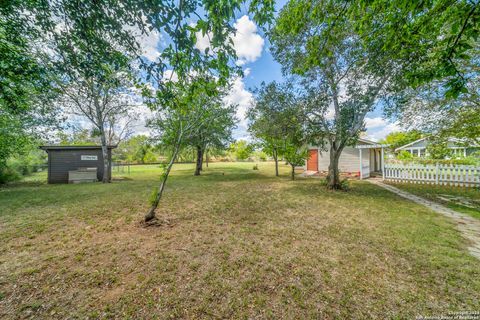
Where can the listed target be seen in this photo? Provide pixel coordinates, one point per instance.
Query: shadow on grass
(357, 189)
(22, 184)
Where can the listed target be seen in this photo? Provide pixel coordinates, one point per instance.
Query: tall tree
(316, 40)
(180, 55)
(295, 134)
(215, 131)
(266, 117)
(26, 93)
(106, 103)
(176, 120)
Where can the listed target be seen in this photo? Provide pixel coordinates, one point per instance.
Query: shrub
(469, 161)
(8, 175)
(22, 165)
(345, 184)
(260, 155)
(404, 155)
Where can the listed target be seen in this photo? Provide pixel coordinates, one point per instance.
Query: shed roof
(46, 148)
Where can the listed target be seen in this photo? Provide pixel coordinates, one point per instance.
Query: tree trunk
(293, 171)
(106, 167)
(198, 166)
(201, 159)
(333, 177)
(206, 157)
(103, 138)
(275, 157)
(151, 213)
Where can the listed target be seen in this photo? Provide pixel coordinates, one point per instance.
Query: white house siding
(349, 159)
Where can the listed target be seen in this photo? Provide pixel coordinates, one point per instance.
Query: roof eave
(90, 147)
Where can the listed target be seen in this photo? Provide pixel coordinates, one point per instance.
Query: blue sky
(252, 49)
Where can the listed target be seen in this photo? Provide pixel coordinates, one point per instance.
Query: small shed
(69, 162)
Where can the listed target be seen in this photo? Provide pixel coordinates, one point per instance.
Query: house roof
(46, 148)
(451, 139)
(409, 144)
(368, 144)
(366, 141)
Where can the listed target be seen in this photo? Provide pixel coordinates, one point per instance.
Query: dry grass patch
(239, 244)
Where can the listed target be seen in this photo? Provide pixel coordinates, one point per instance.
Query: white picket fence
(458, 175)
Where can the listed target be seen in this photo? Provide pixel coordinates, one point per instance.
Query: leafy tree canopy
(241, 149)
(427, 107)
(401, 138)
(25, 92)
(344, 78)
(428, 39)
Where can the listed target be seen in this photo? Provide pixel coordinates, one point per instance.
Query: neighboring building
(419, 147)
(76, 163)
(362, 159)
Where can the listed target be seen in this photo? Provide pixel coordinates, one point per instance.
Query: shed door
(312, 162)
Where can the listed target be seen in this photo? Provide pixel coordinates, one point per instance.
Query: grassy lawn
(466, 200)
(235, 243)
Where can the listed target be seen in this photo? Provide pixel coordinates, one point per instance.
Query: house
(419, 147)
(363, 159)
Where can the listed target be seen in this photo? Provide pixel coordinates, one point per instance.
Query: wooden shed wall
(62, 161)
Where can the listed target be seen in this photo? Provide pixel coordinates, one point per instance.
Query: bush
(404, 155)
(345, 184)
(469, 161)
(259, 155)
(22, 165)
(8, 175)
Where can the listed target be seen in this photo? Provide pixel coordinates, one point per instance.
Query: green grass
(465, 200)
(233, 243)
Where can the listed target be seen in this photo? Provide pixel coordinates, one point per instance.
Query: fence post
(383, 165)
(436, 173)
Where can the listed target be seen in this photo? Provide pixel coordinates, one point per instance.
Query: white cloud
(149, 43)
(248, 44)
(374, 122)
(170, 75)
(380, 132)
(203, 41)
(243, 98)
(247, 71)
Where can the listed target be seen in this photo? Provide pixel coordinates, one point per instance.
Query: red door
(312, 162)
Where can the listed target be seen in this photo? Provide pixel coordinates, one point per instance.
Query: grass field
(465, 200)
(234, 243)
